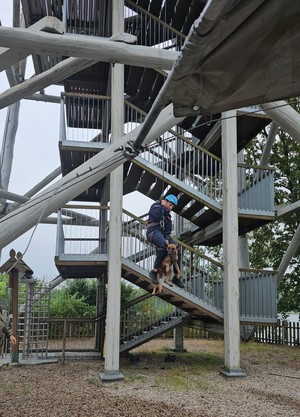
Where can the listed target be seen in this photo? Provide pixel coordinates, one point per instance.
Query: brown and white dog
(164, 272)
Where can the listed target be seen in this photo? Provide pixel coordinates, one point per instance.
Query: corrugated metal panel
(258, 291)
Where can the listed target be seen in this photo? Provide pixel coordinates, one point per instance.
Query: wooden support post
(178, 339)
(14, 284)
(63, 350)
(230, 247)
(14, 266)
(112, 351)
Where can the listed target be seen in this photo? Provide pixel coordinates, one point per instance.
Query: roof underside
(248, 53)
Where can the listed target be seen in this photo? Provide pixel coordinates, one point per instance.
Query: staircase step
(183, 200)
(192, 210)
(145, 183)
(133, 177)
(206, 218)
(158, 190)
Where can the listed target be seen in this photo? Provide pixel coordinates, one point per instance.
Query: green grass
(26, 389)
(12, 386)
(8, 387)
(189, 371)
(90, 381)
(132, 376)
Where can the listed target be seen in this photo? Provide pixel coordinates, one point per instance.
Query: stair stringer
(182, 318)
(174, 295)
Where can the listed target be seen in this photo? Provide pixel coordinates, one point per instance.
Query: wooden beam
(285, 116)
(38, 187)
(287, 209)
(212, 136)
(86, 47)
(9, 137)
(269, 143)
(207, 233)
(78, 180)
(57, 73)
(7, 195)
(9, 57)
(290, 252)
(44, 97)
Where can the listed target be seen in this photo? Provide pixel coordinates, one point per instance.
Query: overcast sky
(36, 155)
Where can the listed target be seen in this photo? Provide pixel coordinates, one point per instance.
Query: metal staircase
(176, 165)
(185, 161)
(145, 318)
(202, 295)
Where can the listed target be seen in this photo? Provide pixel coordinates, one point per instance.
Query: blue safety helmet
(172, 199)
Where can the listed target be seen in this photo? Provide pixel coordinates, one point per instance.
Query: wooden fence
(284, 333)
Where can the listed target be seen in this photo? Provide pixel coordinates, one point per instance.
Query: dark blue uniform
(159, 228)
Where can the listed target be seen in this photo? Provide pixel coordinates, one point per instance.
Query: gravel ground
(154, 387)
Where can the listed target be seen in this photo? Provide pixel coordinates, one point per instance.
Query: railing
(258, 289)
(86, 118)
(201, 171)
(150, 30)
(78, 328)
(145, 316)
(82, 229)
(135, 247)
(199, 272)
(86, 233)
(256, 189)
(195, 167)
(86, 18)
(69, 336)
(258, 292)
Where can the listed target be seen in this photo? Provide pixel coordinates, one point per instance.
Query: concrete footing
(111, 376)
(179, 349)
(233, 373)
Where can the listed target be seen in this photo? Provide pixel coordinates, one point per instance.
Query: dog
(164, 271)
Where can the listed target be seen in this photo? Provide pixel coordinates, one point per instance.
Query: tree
(78, 298)
(84, 288)
(3, 285)
(64, 304)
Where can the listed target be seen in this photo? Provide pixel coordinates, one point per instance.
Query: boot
(177, 282)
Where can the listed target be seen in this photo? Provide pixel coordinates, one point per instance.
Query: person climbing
(159, 228)
(5, 331)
